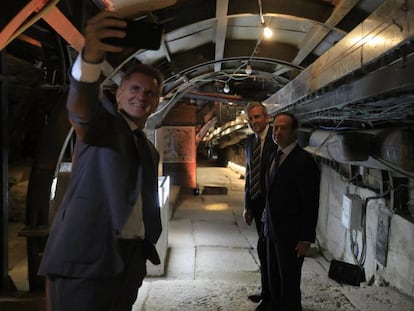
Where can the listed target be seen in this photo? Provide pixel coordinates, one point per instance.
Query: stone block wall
(335, 239)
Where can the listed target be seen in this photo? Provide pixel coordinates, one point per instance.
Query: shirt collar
(131, 124)
(289, 148)
(263, 134)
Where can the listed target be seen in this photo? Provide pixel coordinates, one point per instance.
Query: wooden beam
(65, 28)
(11, 28)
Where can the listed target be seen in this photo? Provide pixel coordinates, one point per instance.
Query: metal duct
(382, 149)
(396, 147)
(342, 146)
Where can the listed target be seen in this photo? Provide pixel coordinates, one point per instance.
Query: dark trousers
(284, 269)
(261, 248)
(116, 293)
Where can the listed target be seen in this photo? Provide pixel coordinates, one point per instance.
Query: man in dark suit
(290, 215)
(109, 220)
(255, 190)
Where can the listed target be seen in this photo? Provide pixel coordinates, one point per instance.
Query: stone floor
(212, 264)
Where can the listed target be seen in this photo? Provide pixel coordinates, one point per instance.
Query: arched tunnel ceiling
(207, 44)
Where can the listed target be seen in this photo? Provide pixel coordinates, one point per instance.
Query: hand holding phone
(139, 34)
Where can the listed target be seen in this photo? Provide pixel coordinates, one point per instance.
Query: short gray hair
(252, 105)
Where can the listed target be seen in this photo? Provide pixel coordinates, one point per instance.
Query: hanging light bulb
(267, 32)
(226, 88)
(248, 69)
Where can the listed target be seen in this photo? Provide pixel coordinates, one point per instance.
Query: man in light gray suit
(255, 190)
(109, 220)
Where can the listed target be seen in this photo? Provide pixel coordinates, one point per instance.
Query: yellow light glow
(370, 39)
(267, 32)
(216, 207)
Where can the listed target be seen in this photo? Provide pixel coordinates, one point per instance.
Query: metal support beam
(390, 87)
(6, 284)
(65, 28)
(319, 31)
(221, 31)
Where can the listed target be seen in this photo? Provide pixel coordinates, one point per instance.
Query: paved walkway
(212, 262)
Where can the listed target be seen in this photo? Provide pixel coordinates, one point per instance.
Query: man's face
(283, 132)
(138, 97)
(257, 119)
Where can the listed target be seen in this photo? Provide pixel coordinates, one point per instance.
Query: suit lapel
(268, 148)
(282, 167)
(269, 176)
(250, 147)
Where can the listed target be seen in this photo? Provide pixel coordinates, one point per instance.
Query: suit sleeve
(309, 194)
(86, 113)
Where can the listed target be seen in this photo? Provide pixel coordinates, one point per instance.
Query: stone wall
(335, 239)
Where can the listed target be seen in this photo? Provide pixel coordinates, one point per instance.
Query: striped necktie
(255, 170)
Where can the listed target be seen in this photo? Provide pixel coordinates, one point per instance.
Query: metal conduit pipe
(385, 149)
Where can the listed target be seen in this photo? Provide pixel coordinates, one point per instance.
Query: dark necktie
(275, 164)
(149, 193)
(255, 171)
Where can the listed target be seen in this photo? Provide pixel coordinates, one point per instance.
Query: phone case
(139, 34)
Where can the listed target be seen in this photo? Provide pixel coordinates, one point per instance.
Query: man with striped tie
(259, 146)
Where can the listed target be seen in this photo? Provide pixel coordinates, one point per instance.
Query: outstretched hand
(103, 25)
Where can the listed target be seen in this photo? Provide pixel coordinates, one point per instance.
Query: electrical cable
(327, 138)
(261, 11)
(350, 179)
(393, 167)
(361, 257)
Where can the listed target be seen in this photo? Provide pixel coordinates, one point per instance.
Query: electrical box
(352, 211)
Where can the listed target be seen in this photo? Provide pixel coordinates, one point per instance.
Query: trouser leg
(261, 252)
(133, 275)
(116, 293)
(287, 272)
(68, 294)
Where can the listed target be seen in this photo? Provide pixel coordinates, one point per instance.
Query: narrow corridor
(212, 262)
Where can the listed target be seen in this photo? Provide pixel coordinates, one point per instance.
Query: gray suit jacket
(102, 191)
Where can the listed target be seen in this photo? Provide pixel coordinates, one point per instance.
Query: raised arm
(83, 97)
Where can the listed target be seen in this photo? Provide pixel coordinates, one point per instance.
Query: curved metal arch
(181, 82)
(112, 75)
(185, 84)
(187, 73)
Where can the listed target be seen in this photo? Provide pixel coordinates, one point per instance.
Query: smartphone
(139, 34)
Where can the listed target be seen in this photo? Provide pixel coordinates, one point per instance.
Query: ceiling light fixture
(248, 69)
(226, 88)
(267, 32)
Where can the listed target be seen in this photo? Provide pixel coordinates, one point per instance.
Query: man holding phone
(139, 34)
(109, 220)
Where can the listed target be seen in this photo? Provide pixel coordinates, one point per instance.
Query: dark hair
(146, 70)
(295, 122)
